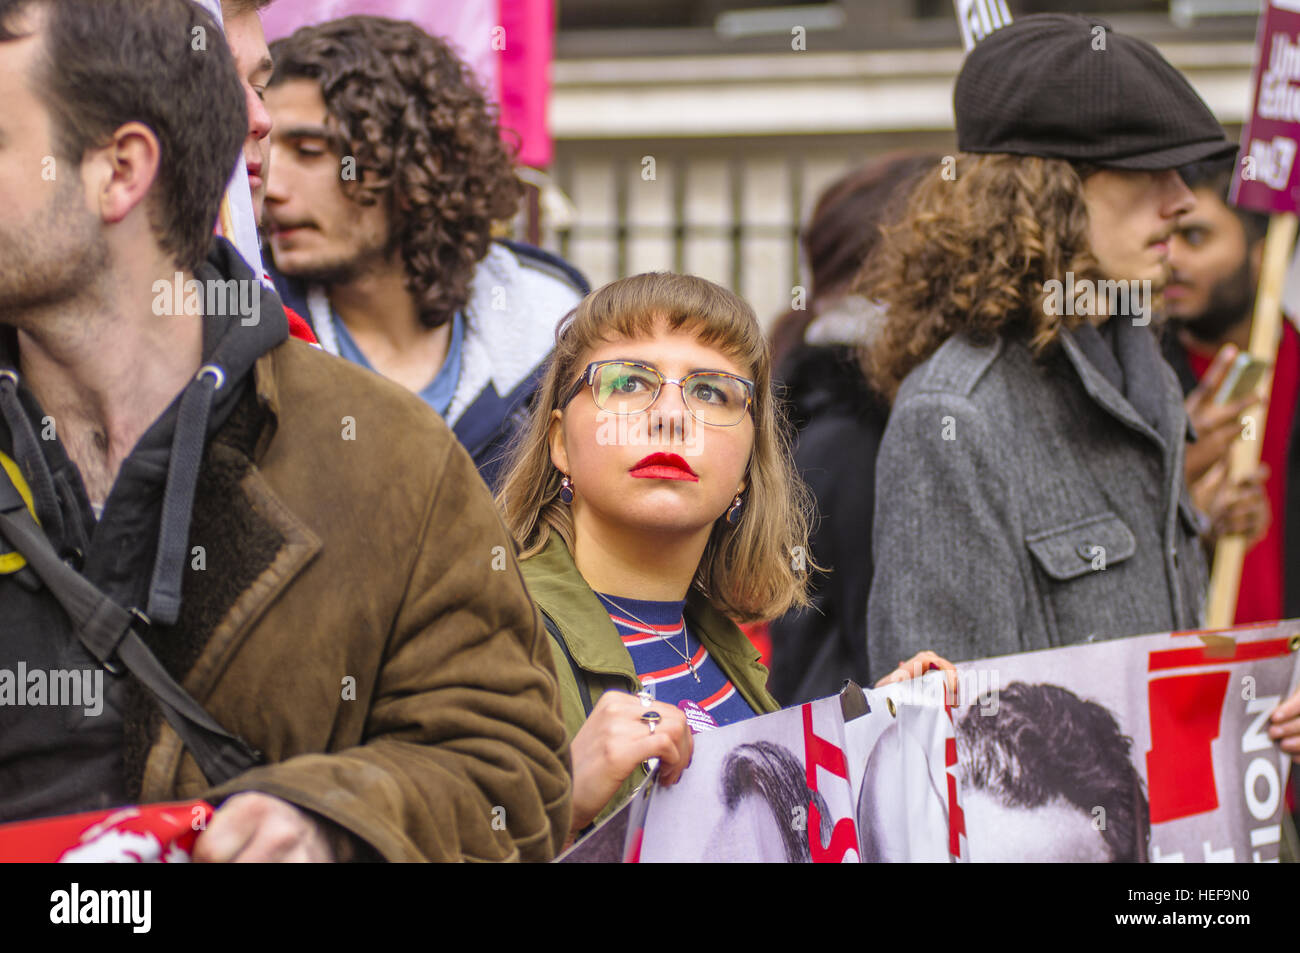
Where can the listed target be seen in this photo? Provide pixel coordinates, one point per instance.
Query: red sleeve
(298, 327)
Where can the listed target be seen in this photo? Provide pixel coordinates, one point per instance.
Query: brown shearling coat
(361, 620)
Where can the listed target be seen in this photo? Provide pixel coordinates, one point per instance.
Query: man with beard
(1030, 490)
(316, 630)
(389, 175)
(1215, 258)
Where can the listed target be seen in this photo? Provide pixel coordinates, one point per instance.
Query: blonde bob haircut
(756, 569)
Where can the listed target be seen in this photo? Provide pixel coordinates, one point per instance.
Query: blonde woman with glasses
(654, 499)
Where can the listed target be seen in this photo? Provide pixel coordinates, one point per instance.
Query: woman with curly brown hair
(1029, 489)
(388, 173)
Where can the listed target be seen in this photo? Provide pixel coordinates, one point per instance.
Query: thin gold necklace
(685, 635)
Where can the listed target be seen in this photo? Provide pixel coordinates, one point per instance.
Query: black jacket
(840, 424)
(61, 759)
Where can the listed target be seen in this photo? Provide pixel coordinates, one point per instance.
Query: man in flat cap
(1030, 489)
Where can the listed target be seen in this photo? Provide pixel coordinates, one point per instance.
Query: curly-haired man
(1030, 489)
(389, 172)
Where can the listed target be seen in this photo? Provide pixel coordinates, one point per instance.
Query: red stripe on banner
(1185, 713)
(956, 817)
(633, 855)
(1245, 652)
(844, 835)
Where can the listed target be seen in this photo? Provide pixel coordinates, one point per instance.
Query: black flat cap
(1064, 86)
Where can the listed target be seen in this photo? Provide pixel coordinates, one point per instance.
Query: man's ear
(555, 437)
(1256, 256)
(120, 174)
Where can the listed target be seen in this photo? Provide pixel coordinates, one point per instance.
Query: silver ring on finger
(652, 719)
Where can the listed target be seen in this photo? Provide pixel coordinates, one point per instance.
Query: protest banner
(1264, 180)
(1151, 748)
(1163, 731)
(978, 18)
(838, 780)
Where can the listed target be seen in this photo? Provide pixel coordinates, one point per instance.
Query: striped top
(662, 670)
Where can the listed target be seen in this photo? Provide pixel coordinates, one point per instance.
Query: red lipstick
(664, 466)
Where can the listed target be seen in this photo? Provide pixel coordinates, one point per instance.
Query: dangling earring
(733, 513)
(566, 491)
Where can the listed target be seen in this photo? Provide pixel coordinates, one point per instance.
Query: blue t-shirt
(663, 670)
(443, 386)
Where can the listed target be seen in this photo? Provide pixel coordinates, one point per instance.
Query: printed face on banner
(900, 772)
(804, 786)
(1150, 748)
(1046, 775)
(768, 789)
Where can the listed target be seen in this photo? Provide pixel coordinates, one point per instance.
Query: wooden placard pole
(1265, 334)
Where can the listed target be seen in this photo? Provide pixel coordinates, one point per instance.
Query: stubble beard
(340, 270)
(50, 259)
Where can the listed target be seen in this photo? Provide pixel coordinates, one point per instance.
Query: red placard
(1265, 179)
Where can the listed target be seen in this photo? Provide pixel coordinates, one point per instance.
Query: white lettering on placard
(1273, 161)
(1278, 99)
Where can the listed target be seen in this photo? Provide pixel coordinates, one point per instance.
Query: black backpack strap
(583, 691)
(104, 628)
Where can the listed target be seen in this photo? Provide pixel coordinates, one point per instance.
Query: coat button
(1087, 551)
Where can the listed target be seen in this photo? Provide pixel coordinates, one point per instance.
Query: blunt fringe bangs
(756, 569)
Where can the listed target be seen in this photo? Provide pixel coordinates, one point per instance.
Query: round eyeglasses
(624, 387)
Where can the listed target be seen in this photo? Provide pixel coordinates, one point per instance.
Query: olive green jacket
(592, 640)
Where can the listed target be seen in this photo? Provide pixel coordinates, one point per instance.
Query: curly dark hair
(973, 254)
(1044, 742)
(426, 143)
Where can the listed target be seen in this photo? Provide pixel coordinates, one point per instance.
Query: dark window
(657, 14)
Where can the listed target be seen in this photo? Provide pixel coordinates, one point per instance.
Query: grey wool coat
(1027, 503)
